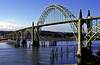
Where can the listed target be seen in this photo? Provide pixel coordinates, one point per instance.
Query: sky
(17, 14)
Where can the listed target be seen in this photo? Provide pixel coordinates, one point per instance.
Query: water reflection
(35, 56)
(63, 54)
(52, 60)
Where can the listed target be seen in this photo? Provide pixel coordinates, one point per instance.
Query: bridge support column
(22, 36)
(37, 44)
(17, 39)
(13, 36)
(32, 35)
(52, 43)
(79, 52)
(9, 36)
(88, 22)
(88, 29)
(16, 36)
(17, 44)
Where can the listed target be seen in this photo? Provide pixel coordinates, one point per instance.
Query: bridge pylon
(22, 36)
(32, 35)
(88, 22)
(35, 35)
(79, 52)
(81, 48)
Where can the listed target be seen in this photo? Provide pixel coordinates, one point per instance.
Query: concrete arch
(27, 34)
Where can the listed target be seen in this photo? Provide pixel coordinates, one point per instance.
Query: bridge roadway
(61, 22)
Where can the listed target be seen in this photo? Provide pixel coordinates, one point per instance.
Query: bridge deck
(61, 22)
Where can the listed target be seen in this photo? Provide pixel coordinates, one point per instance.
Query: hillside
(46, 33)
(4, 32)
(56, 34)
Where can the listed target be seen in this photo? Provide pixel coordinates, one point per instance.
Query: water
(9, 55)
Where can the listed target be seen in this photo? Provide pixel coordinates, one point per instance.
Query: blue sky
(23, 12)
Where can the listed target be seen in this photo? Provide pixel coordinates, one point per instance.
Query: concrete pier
(32, 35)
(22, 36)
(52, 43)
(88, 29)
(79, 52)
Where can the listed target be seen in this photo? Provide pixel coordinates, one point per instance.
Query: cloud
(4, 26)
(11, 20)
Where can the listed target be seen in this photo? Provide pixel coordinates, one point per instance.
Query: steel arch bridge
(68, 15)
(93, 25)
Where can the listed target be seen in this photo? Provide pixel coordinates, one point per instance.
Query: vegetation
(56, 34)
(4, 32)
(27, 34)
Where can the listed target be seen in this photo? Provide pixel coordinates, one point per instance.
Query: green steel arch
(92, 35)
(64, 11)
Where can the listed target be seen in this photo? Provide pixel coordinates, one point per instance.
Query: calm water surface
(9, 55)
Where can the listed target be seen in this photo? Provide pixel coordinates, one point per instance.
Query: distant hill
(46, 33)
(4, 32)
(56, 34)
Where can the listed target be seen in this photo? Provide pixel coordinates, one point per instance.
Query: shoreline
(8, 41)
(48, 39)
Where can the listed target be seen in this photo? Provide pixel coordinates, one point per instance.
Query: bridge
(65, 16)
